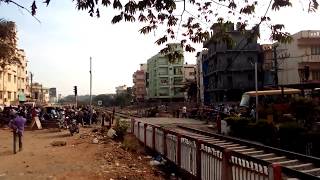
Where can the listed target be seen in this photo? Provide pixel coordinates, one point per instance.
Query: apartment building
(14, 81)
(165, 77)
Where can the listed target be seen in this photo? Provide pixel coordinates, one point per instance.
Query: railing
(203, 160)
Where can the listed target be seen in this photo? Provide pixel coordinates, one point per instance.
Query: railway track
(294, 165)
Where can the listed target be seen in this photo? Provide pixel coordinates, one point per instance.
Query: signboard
(21, 97)
(99, 103)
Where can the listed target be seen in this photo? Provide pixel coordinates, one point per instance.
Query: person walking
(17, 125)
(35, 117)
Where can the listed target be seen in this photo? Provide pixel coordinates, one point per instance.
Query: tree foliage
(8, 44)
(188, 20)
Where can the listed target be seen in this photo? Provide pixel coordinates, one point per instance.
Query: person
(35, 116)
(17, 125)
(184, 112)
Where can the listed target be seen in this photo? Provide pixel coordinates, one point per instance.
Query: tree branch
(24, 8)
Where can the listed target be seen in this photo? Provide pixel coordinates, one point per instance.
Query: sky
(58, 49)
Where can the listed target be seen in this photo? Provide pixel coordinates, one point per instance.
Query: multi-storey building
(189, 72)
(14, 81)
(268, 65)
(229, 68)
(199, 77)
(165, 77)
(121, 89)
(40, 94)
(302, 53)
(53, 95)
(139, 81)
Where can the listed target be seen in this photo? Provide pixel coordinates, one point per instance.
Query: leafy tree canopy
(7, 43)
(192, 20)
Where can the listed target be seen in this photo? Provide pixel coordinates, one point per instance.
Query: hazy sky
(58, 48)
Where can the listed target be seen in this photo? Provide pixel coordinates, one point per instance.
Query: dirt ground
(79, 159)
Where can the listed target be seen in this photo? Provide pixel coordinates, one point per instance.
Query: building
(228, 68)
(39, 94)
(53, 95)
(14, 81)
(121, 89)
(301, 54)
(189, 72)
(268, 65)
(199, 77)
(165, 76)
(139, 81)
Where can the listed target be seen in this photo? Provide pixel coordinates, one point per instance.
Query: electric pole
(90, 90)
(275, 59)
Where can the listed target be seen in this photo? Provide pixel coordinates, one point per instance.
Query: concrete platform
(164, 121)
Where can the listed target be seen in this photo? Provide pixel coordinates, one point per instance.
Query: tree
(190, 87)
(8, 48)
(194, 20)
(107, 100)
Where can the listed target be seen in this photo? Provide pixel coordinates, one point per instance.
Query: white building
(303, 51)
(199, 77)
(121, 89)
(189, 72)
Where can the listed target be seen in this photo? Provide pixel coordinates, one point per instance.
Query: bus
(268, 96)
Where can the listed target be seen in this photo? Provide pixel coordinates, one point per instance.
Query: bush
(261, 131)
(131, 143)
(121, 128)
(238, 125)
(291, 136)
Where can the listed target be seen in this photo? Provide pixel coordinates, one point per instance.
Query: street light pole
(90, 90)
(256, 84)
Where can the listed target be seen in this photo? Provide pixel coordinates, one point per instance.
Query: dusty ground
(79, 159)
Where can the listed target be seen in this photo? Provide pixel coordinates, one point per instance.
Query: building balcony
(308, 38)
(311, 58)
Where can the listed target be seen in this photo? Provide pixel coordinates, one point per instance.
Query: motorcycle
(72, 126)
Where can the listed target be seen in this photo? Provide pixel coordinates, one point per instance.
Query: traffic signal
(75, 90)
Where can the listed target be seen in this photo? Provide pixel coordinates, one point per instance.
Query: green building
(165, 78)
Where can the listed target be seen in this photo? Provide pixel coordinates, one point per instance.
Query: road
(79, 159)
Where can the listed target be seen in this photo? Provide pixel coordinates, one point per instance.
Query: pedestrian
(35, 117)
(184, 112)
(17, 125)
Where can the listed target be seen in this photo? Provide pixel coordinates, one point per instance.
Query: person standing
(17, 125)
(184, 112)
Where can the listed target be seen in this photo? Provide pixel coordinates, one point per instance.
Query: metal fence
(201, 159)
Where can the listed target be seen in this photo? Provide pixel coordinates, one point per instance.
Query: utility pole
(276, 69)
(256, 84)
(31, 79)
(90, 90)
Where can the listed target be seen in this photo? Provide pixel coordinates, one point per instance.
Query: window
(9, 95)
(250, 77)
(22, 80)
(0, 94)
(315, 50)
(0, 74)
(15, 96)
(15, 79)
(9, 77)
